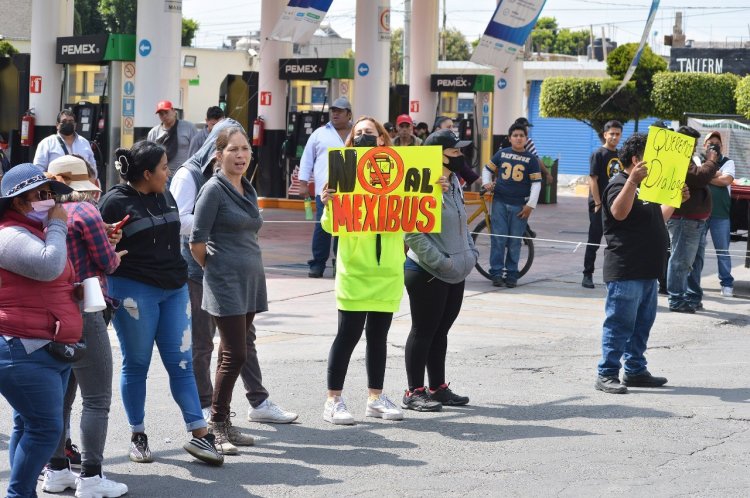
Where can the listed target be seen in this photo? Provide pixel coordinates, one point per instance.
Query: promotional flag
(300, 20)
(506, 33)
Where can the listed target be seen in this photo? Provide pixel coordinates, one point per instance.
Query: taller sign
(710, 60)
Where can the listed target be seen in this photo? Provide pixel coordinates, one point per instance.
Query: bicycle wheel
(482, 237)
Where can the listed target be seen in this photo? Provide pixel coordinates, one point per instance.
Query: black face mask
(455, 163)
(365, 140)
(67, 129)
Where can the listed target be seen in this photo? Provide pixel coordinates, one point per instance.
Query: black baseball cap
(447, 139)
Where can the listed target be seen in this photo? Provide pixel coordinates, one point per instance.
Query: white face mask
(40, 210)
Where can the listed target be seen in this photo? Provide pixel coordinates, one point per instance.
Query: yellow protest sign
(668, 155)
(385, 189)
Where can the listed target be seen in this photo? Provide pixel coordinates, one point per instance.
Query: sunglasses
(44, 195)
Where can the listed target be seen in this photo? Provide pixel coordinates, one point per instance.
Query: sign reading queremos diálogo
(302, 69)
(78, 49)
(452, 82)
(710, 60)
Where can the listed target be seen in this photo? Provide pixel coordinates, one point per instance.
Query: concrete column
(423, 53)
(508, 97)
(157, 60)
(372, 64)
(271, 178)
(49, 20)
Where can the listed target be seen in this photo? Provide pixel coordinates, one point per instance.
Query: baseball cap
(447, 139)
(388, 126)
(164, 105)
(713, 134)
(523, 122)
(341, 103)
(404, 118)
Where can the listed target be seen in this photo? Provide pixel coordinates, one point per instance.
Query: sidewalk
(526, 357)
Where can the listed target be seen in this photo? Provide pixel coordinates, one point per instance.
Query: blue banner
(300, 20)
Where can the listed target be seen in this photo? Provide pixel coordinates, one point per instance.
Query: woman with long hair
(151, 291)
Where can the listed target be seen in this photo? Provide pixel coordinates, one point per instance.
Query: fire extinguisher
(27, 128)
(258, 126)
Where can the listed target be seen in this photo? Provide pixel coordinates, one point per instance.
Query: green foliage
(547, 37)
(676, 93)
(571, 42)
(742, 96)
(119, 16)
(397, 67)
(579, 98)
(456, 46)
(544, 34)
(6, 49)
(88, 19)
(618, 62)
(189, 27)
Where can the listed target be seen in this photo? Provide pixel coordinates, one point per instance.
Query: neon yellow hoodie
(365, 282)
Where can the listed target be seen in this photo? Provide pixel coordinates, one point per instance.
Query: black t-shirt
(636, 245)
(151, 236)
(604, 164)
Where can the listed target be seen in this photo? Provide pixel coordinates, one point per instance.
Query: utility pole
(406, 43)
(443, 49)
(604, 45)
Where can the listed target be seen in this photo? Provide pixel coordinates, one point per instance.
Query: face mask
(365, 140)
(455, 164)
(67, 129)
(40, 210)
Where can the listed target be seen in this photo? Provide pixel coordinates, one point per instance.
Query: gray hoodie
(449, 255)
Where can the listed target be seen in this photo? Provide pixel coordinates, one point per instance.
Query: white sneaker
(727, 291)
(99, 487)
(270, 412)
(206, 414)
(57, 481)
(383, 408)
(335, 412)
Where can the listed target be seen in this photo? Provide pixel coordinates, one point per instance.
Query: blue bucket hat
(25, 177)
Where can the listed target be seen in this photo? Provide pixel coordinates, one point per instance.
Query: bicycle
(482, 243)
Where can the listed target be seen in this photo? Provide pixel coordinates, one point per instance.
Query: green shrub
(676, 93)
(742, 96)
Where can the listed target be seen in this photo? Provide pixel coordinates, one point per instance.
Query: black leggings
(351, 324)
(434, 307)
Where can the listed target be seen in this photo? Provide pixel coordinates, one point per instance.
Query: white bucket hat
(73, 172)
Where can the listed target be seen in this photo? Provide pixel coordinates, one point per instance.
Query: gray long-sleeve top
(25, 254)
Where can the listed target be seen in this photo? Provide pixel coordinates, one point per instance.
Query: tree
(742, 96)
(119, 16)
(7, 49)
(397, 60)
(456, 46)
(544, 34)
(579, 98)
(677, 93)
(88, 19)
(189, 27)
(618, 62)
(571, 42)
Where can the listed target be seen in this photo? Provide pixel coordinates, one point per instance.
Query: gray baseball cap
(341, 103)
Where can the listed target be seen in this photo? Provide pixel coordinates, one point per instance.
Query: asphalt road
(526, 357)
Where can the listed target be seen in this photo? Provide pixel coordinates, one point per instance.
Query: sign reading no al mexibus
(710, 60)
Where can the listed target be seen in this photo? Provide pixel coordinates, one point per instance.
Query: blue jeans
(149, 315)
(685, 263)
(34, 386)
(321, 241)
(505, 221)
(630, 312)
(720, 229)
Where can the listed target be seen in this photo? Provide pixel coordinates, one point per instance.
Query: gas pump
(467, 99)
(91, 124)
(312, 84)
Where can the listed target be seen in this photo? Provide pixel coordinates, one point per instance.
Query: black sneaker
(418, 400)
(510, 284)
(610, 385)
(204, 449)
(587, 281)
(72, 453)
(644, 379)
(315, 273)
(139, 450)
(448, 397)
(498, 281)
(682, 308)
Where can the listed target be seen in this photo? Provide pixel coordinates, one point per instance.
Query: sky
(727, 20)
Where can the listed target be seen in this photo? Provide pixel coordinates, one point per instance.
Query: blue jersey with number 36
(514, 172)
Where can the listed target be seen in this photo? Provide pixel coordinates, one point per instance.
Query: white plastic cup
(93, 299)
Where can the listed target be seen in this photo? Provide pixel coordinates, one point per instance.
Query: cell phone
(121, 223)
